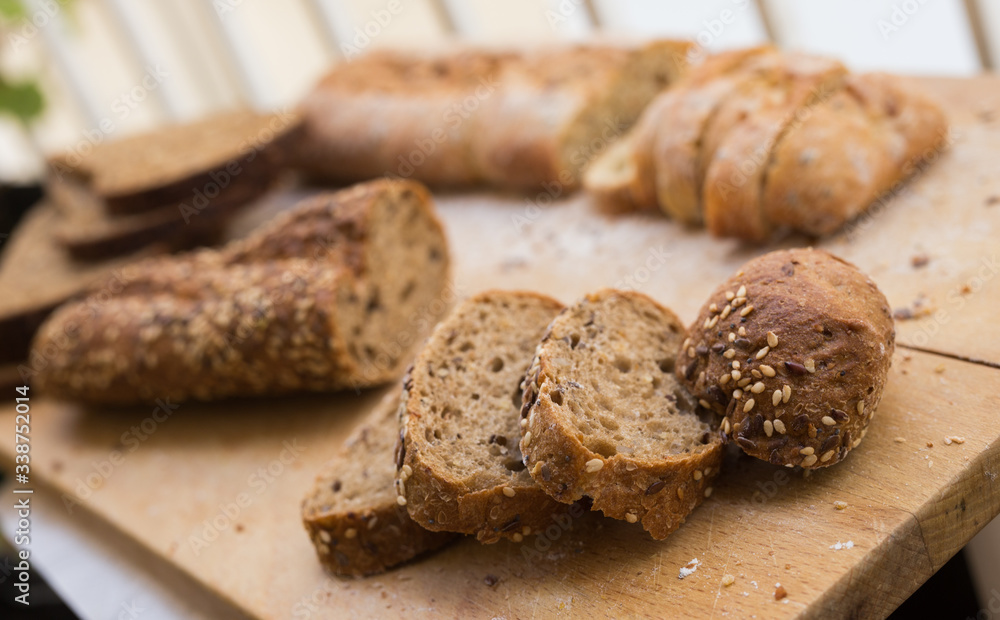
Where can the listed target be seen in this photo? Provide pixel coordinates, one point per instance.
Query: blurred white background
(108, 68)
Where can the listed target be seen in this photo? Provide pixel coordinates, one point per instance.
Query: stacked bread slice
(522, 120)
(519, 410)
(753, 141)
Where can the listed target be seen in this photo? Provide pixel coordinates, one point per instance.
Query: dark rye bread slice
(351, 512)
(332, 294)
(604, 416)
(794, 350)
(460, 469)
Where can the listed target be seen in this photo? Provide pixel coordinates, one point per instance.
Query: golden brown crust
(794, 350)
(658, 491)
(436, 493)
(358, 529)
(287, 309)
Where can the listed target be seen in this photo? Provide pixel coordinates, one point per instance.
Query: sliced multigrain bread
(460, 468)
(351, 512)
(604, 416)
(794, 350)
(332, 294)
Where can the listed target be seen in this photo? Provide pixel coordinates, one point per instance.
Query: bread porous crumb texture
(351, 513)
(604, 416)
(794, 350)
(329, 295)
(459, 466)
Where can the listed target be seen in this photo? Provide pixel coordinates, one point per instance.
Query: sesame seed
(763, 352)
(809, 460)
(748, 405)
(350, 532)
(810, 365)
(517, 537)
(826, 456)
(767, 371)
(786, 393)
(739, 301)
(726, 311)
(856, 442)
(742, 292)
(713, 322)
(687, 343)
(768, 428)
(708, 492)
(757, 387)
(594, 465)
(807, 451)
(372, 522)
(742, 331)
(736, 365)
(325, 536)
(704, 403)
(631, 517)
(726, 427)
(745, 381)
(730, 295)
(772, 339)
(690, 351)
(776, 398)
(697, 474)
(724, 379)
(737, 394)
(524, 422)
(400, 500)
(779, 426)
(680, 492)
(729, 354)
(756, 374)
(407, 470)
(735, 375)
(828, 421)
(713, 308)
(509, 492)
(746, 311)
(732, 336)
(708, 321)
(861, 407)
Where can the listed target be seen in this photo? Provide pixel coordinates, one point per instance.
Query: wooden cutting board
(214, 490)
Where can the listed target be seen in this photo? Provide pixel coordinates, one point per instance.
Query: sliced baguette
(351, 512)
(460, 469)
(604, 416)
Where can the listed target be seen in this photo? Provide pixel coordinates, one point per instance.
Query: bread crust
(813, 339)
(436, 497)
(658, 492)
(278, 312)
(368, 539)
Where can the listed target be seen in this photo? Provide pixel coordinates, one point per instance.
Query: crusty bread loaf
(755, 141)
(330, 295)
(175, 187)
(517, 120)
(351, 512)
(794, 350)
(460, 468)
(604, 417)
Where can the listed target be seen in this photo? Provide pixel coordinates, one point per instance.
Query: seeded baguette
(794, 350)
(520, 120)
(351, 513)
(459, 467)
(330, 295)
(604, 416)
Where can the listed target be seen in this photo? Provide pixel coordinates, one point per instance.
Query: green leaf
(23, 100)
(12, 9)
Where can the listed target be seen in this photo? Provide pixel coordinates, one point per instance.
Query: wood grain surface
(214, 490)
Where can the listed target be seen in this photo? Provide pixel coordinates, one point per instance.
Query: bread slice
(351, 512)
(604, 416)
(460, 469)
(330, 295)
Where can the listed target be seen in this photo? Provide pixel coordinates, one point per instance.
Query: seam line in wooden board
(953, 356)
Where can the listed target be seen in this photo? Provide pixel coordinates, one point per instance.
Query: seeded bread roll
(604, 416)
(330, 295)
(514, 119)
(460, 468)
(794, 351)
(351, 512)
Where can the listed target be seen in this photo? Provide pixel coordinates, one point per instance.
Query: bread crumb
(839, 545)
(930, 444)
(491, 580)
(939, 368)
(788, 567)
(900, 439)
(840, 505)
(728, 580)
(953, 439)
(691, 567)
(779, 592)
(919, 260)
